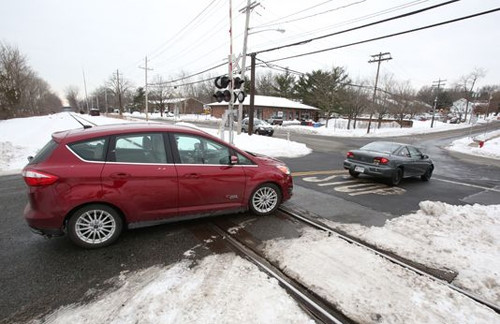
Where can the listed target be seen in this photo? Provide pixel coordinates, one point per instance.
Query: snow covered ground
(465, 239)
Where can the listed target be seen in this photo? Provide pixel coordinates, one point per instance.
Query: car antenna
(84, 126)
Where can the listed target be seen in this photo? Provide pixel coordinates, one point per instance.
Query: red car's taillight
(380, 160)
(37, 178)
(350, 155)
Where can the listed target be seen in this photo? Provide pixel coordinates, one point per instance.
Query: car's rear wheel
(265, 199)
(353, 173)
(94, 226)
(428, 174)
(397, 176)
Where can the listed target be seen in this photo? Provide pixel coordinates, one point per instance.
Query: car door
(420, 164)
(207, 181)
(140, 178)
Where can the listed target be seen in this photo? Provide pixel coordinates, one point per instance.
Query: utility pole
(252, 94)
(106, 100)
(85, 88)
(231, 77)
(119, 92)
(436, 84)
(145, 68)
(380, 57)
(249, 7)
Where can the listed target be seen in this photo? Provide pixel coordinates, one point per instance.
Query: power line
(359, 27)
(377, 38)
(313, 15)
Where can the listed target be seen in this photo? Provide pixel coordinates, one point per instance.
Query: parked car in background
(389, 160)
(93, 183)
(275, 120)
(259, 127)
(94, 112)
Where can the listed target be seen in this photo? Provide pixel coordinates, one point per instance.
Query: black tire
(265, 199)
(353, 173)
(428, 174)
(396, 178)
(94, 226)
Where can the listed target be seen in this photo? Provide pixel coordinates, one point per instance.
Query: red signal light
(350, 155)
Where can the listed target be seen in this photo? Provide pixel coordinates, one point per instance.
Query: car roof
(122, 128)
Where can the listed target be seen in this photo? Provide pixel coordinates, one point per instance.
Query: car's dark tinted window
(91, 150)
(384, 147)
(140, 148)
(44, 153)
(415, 153)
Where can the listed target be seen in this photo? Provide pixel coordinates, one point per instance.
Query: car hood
(266, 159)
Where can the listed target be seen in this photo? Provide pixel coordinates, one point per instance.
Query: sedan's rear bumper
(369, 169)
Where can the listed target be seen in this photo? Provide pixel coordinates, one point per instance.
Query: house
(266, 107)
(185, 105)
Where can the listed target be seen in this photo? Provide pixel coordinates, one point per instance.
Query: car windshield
(261, 122)
(384, 147)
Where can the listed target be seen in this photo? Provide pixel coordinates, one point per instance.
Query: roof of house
(268, 101)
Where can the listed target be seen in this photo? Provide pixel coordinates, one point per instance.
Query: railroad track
(316, 306)
(83, 121)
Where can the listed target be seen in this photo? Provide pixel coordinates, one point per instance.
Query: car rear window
(384, 147)
(44, 153)
(91, 150)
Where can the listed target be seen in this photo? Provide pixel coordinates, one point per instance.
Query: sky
(463, 239)
(63, 40)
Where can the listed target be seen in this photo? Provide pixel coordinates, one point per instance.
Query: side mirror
(233, 160)
(424, 156)
(30, 158)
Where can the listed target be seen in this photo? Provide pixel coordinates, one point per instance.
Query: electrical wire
(380, 37)
(411, 13)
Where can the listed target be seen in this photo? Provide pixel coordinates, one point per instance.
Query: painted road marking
(467, 185)
(353, 187)
(376, 188)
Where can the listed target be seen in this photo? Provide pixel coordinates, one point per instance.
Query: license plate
(359, 169)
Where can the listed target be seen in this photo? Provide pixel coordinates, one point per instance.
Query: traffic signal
(222, 82)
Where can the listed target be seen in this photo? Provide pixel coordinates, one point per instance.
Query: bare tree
(357, 101)
(468, 82)
(71, 94)
(403, 95)
(120, 87)
(382, 106)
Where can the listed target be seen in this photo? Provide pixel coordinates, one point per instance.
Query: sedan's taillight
(350, 155)
(38, 179)
(380, 160)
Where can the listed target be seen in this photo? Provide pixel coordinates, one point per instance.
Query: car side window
(415, 153)
(199, 150)
(92, 150)
(140, 148)
(404, 152)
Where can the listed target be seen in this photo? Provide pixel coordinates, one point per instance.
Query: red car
(92, 183)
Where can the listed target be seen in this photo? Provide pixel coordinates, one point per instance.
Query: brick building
(267, 107)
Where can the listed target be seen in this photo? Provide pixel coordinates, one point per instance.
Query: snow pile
(467, 145)
(214, 291)
(370, 289)
(465, 239)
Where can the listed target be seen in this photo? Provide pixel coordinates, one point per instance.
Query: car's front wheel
(265, 199)
(428, 174)
(94, 226)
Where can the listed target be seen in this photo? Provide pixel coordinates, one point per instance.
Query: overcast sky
(62, 38)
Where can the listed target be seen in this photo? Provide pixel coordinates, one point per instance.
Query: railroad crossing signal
(222, 83)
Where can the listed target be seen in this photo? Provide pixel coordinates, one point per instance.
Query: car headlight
(284, 169)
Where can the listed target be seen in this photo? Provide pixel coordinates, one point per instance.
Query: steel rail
(383, 254)
(301, 295)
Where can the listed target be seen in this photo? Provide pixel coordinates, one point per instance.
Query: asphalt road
(39, 275)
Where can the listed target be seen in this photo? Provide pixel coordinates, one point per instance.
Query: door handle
(119, 175)
(192, 176)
